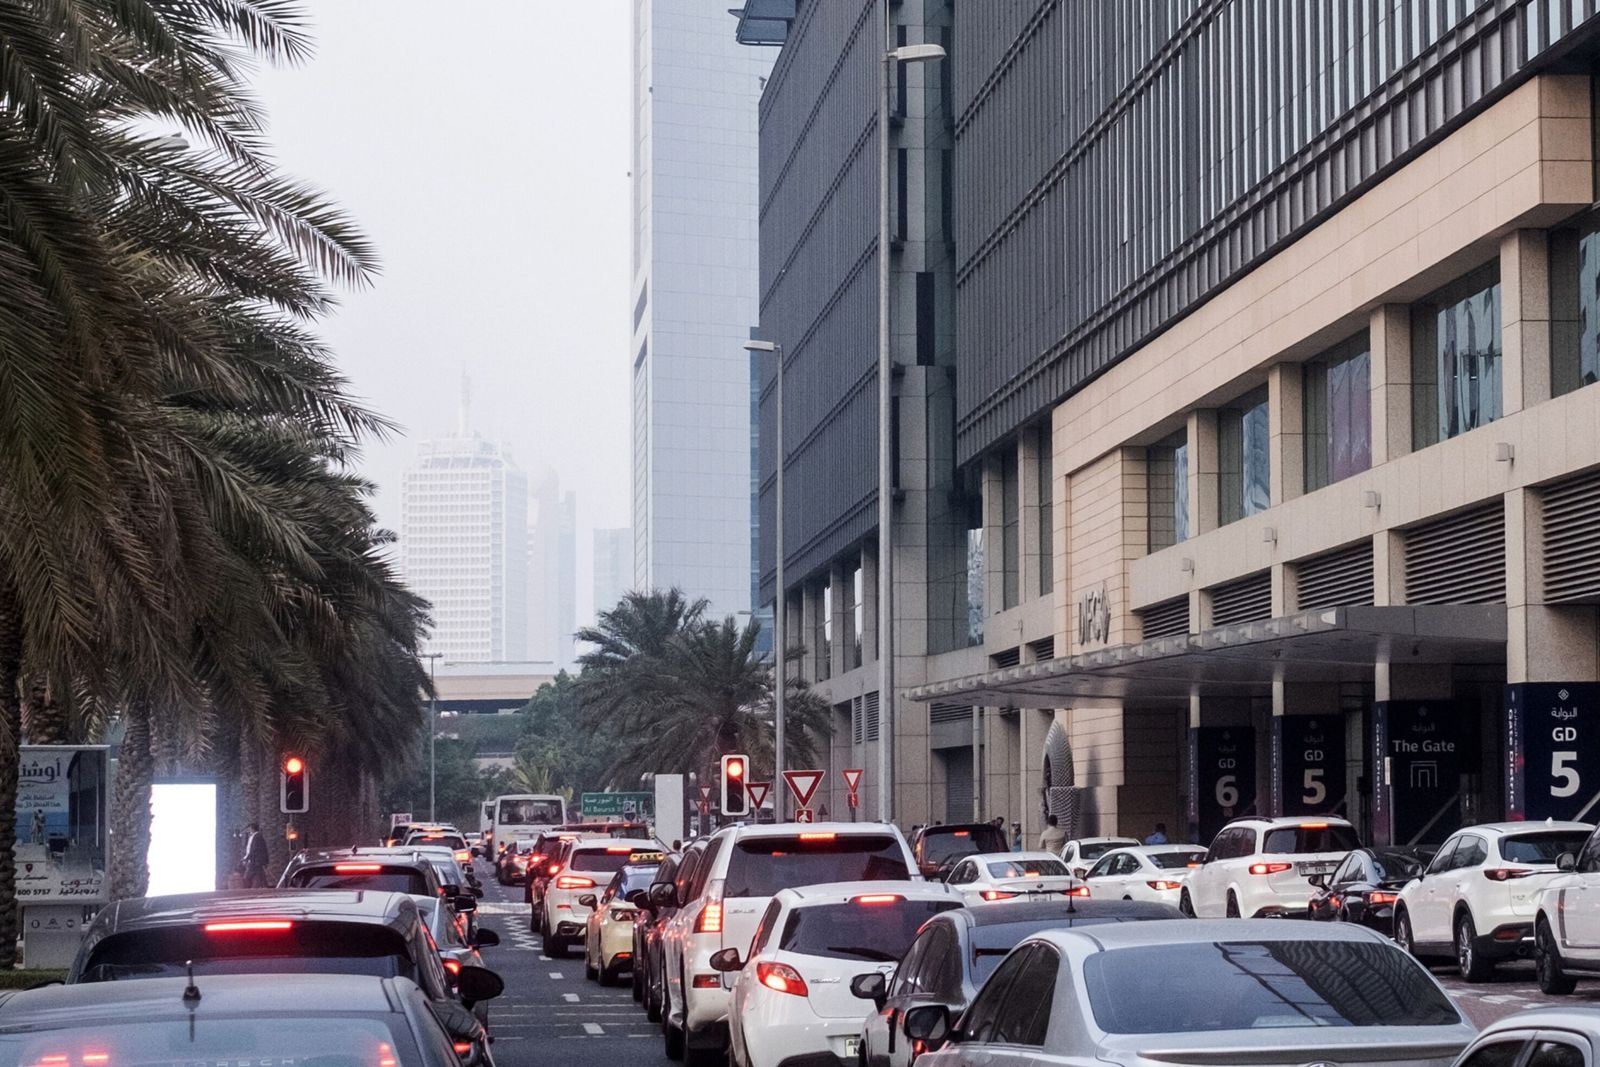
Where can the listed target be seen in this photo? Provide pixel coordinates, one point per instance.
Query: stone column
(1204, 465)
(1544, 643)
(1030, 544)
(1286, 415)
(1389, 337)
(993, 551)
(1525, 319)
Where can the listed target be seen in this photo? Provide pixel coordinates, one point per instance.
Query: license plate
(852, 1047)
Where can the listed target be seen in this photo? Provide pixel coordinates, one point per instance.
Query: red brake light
(1313, 826)
(818, 837)
(570, 881)
(710, 919)
(781, 978)
(1077, 891)
(1270, 868)
(357, 868)
(877, 898)
(962, 833)
(1160, 886)
(619, 851)
(1506, 874)
(996, 894)
(453, 966)
(463, 1047)
(463, 855)
(555, 868)
(386, 1057)
(249, 926)
(1382, 898)
(95, 1059)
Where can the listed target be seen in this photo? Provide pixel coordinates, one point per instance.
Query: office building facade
(552, 572)
(613, 567)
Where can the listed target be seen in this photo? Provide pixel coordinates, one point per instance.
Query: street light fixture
(908, 53)
(780, 610)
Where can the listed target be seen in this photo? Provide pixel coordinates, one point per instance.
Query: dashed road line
(570, 998)
(593, 1029)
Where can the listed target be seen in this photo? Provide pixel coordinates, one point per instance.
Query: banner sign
(1311, 763)
(1552, 750)
(61, 824)
(1418, 753)
(1222, 776)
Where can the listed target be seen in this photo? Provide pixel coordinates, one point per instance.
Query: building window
(1244, 458)
(1455, 358)
(1010, 529)
(1047, 547)
(1338, 413)
(857, 610)
(825, 631)
(1575, 307)
(1169, 491)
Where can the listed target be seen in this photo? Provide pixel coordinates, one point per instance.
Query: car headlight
(621, 915)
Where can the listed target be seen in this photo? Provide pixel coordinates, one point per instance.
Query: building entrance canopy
(1335, 645)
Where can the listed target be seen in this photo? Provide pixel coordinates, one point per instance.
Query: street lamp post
(780, 609)
(911, 53)
(433, 733)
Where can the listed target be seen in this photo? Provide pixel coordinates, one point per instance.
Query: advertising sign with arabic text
(61, 824)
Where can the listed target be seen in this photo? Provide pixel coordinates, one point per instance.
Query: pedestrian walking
(1159, 836)
(1053, 838)
(254, 864)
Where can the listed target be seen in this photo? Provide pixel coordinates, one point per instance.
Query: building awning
(763, 22)
(1336, 645)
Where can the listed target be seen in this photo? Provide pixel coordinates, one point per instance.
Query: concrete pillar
(1286, 416)
(839, 579)
(1029, 542)
(1204, 465)
(1524, 319)
(1388, 568)
(993, 551)
(1544, 643)
(869, 602)
(1389, 335)
(809, 607)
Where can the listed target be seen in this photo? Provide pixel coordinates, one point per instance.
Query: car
(645, 921)
(1144, 872)
(550, 849)
(791, 999)
(1365, 887)
(275, 932)
(992, 876)
(333, 1019)
(579, 871)
(608, 935)
(1477, 898)
(955, 952)
(451, 839)
(1259, 991)
(511, 866)
(1260, 867)
(1567, 920)
(743, 867)
(457, 947)
(1081, 853)
(664, 897)
(378, 870)
(1540, 1037)
(936, 848)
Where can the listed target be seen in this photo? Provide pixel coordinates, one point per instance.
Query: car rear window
(939, 847)
(1023, 868)
(384, 879)
(1095, 849)
(1397, 865)
(759, 867)
(251, 946)
(1310, 838)
(879, 932)
(1248, 985)
(319, 1039)
(599, 860)
(1541, 847)
(1172, 860)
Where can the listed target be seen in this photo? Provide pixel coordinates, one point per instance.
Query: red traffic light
(735, 768)
(294, 765)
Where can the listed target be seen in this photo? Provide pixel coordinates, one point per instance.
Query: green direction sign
(618, 805)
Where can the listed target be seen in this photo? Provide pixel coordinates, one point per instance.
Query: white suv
(588, 866)
(1259, 867)
(741, 870)
(1477, 898)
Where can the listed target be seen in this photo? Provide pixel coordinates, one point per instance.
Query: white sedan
(995, 876)
(1081, 853)
(1148, 872)
(792, 999)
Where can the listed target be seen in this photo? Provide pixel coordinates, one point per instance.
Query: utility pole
(433, 734)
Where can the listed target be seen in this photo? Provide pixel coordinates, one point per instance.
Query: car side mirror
(477, 890)
(451, 890)
(485, 938)
(663, 894)
(1081, 872)
(588, 901)
(465, 902)
(726, 960)
(1566, 862)
(478, 984)
(1318, 881)
(638, 898)
(873, 986)
(928, 1023)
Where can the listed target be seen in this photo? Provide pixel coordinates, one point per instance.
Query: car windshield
(529, 812)
(250, 946)
(1024, 868)
(940, 846)
(599, 861)
(759, 867)
(1310, 838)
(1093, 850)
(300, 1040)
(875, 931)
(1247, 985)
(1394, 865)
(1542, 847)
(1168, 861)
(373, 877)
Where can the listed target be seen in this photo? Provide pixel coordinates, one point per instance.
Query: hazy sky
(484, 146)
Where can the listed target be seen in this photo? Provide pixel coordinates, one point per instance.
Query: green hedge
(22, 979)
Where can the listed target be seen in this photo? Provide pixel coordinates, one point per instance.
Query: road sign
(853, 799)
(758, 793)
(705, 807)
(616, 804)
(852, 780)
(804, 814)
(803, 784)
(399, 818)
(705, 792)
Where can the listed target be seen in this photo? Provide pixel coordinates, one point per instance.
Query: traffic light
(735, 773)
(294, 786)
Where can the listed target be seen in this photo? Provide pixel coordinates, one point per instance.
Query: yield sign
(705, 792)
(803, 784)
(852, 780)
(757, 792)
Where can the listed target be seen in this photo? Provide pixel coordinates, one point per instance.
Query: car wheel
(606, 976)
(671, 1039)
(652, 999)
(1186, 905)
(1233, 905)
(638, 978)
(1474, 968)
(590, 971)
(1402, 932)
(1553, 981)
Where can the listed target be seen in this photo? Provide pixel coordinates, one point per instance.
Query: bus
(519, 816)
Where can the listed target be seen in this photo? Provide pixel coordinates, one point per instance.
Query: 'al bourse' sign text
(1552, 749)
(1222, 776)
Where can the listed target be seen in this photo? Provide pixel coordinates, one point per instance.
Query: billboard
(183, 836)
(61, 825)
(1311, 764)
(1552, 750)
(1418, 746)
(1222, 777)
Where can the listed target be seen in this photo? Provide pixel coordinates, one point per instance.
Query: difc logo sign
(1094, 617)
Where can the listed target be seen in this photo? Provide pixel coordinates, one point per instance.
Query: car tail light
(534, 860)
(781, 978)
(357, 868)
(1270, 868)
(96, 1059)
(706, 981)
(710, 918)
(1313, 826)
(1076, 891)
(463, 855)
(572, 881)
(877, 898)
(453, 966)
(619, 851)
(1506, 874)
(962, 833)
(1162, 887)
(818, 837)
(386, 1057)
(1382, 898)
(250, 926)
(996, 894)
(555, 868)
(463, 1047)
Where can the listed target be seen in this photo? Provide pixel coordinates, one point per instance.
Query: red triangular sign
(757, 791)
(803, 784)
(705, 792)
(852, 779)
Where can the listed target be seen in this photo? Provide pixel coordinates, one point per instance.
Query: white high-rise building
(695, 280)
(464, 547)
(613, 567)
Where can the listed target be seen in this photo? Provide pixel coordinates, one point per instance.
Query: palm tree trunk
(130, 815)
(46, 717)
(10, 767)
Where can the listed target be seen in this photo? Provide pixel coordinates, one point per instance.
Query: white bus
(519, 816)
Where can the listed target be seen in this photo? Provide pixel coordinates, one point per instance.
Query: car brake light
(453, 966)
(95, 1059)
(877, 898)
(463, 1047)
(386, 1056)
(1076, 891)
(1506, 874)
(962, 833)
(710, 918)
(569, 881)
(1163, 886)
(357, 868)
(996, 894)
(707, 981)
(1382, 898)
(619, 851)
(249, 926)
(818, 837)
(555, 868)
(1313, 826)
(781, 978)
(1270, 868)
(464, 855)
(1193, 866)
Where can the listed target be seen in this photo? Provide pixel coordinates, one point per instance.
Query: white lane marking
(593, 1029)
(570, 998)
(543, 958)
(556, 975)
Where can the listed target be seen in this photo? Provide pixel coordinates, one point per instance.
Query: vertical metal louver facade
(1459, 559)
(1570, 529)
(1335, 579)
(1246, 600)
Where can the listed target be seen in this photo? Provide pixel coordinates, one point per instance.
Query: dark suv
(937, 848)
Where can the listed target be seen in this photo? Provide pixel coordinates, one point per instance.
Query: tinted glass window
(1102, 868)
(1170, 860)
(764, 928)
(313, 1039)
(906, 978)
(1540, 847)
(941, 970)
(1555, 1054)
(1444, 857)
(1498, 1054)
(1300, 840)
(598, 861)
(1245, 985)
(1026, 1014)
(1393, 865)
(1095, 849)
(942, 847)
(760, 867)
(980, 1020)
(529, 812)
(1023, 868)
(1471, 852)
(875, 932)
(326, 948)
(383, 880)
